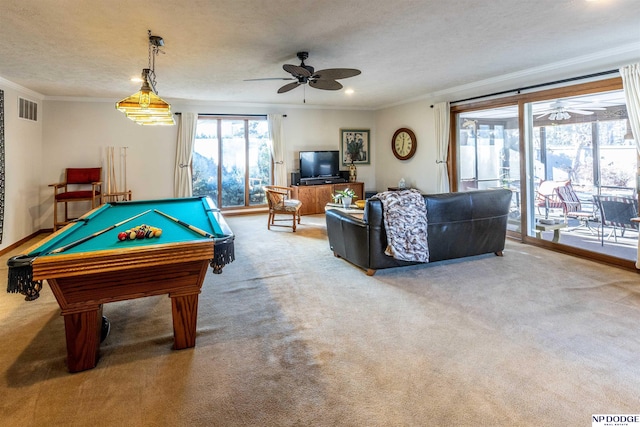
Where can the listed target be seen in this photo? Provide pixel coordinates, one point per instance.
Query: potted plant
(345, 196)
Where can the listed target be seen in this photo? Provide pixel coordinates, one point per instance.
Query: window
(232, 160)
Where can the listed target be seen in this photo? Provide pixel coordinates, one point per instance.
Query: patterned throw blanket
(405, 219)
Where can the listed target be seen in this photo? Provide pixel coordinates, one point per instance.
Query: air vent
(27, 109)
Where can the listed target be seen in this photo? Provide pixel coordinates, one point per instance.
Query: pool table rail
(83, 263)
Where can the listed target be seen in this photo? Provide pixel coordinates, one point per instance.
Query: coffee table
(549, 227)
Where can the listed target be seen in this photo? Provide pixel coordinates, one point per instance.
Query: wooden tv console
(315, 197)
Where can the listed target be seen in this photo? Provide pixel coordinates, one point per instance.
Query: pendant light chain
(153, 51)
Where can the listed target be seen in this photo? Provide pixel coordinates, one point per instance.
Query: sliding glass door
(488, 154)
(582, 153)
(570, 159)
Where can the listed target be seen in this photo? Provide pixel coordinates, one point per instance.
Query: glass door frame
(527, 194)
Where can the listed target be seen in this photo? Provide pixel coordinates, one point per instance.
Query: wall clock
(404, 144)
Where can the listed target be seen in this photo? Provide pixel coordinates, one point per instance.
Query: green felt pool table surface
(195, 211)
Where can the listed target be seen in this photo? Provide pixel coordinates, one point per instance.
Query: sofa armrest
(348, 237)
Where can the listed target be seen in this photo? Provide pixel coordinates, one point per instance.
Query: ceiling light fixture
(145, 107)
(559, 115)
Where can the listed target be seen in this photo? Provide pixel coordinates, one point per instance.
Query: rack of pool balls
(140, 232)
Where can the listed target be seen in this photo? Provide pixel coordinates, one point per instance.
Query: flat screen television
(319, 164)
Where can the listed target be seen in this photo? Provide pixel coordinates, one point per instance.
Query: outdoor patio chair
(616, 212)
(572, 206)
(547, 196)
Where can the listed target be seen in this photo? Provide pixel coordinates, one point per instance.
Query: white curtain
(277, 149)
(631, 84)
(184, 152)
(441, 114)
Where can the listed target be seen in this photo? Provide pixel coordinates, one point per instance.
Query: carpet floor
(289, 335)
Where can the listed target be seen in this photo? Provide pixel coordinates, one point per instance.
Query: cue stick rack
(116, 172)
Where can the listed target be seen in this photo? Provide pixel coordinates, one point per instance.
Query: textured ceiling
(405, 48)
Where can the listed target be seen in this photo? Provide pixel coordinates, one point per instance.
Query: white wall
(320, 130)
(419, 171)
(23, 157)
(77, 133)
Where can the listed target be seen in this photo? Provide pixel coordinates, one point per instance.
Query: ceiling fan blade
(585, 112)
(269, 78)
(288, 87)
(336, 73)
(542, 115)
(325, 84)
(296, 70)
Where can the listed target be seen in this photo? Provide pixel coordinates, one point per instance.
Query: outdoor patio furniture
(550, 227)
(616, 212)
(572, 206)
(547, 196)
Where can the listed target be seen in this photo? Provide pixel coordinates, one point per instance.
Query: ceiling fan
(303, 74)
(559, 110)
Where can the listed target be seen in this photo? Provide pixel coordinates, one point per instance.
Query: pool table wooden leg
(184, 309)
(82, 330)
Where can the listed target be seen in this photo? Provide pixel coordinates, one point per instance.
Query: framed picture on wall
(354, 146)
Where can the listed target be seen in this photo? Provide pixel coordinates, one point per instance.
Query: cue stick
(189, 226)
(107, 175)
(125, 188)
(97, 233)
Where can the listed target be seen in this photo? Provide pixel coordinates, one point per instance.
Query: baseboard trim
(22, 241)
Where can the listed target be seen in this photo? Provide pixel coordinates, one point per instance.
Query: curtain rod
(231, 115)
(571, 79)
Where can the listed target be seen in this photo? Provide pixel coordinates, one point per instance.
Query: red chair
(81, 185)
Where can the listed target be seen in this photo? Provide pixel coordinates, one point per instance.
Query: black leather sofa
(458, 225)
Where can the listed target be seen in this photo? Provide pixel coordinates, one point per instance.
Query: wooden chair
(80, 185)
(281, 203)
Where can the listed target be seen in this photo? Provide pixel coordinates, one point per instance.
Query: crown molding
(28, 92)
(217, 104)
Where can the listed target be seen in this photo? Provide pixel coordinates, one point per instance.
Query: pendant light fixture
(145, 107)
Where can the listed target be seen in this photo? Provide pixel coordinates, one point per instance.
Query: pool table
(99, 268)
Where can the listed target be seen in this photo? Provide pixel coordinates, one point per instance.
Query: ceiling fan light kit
(145, 107)
(559, 110)
(559, 115)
